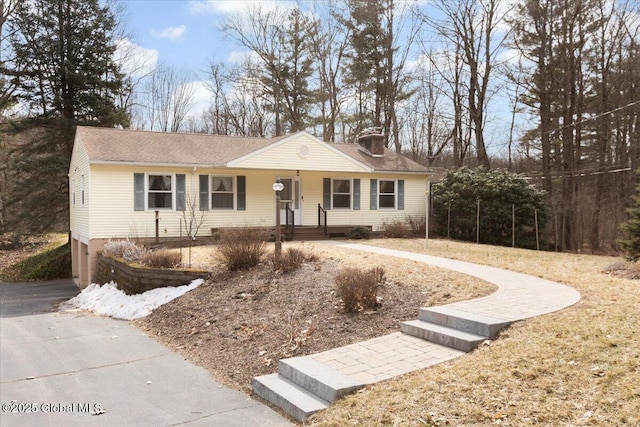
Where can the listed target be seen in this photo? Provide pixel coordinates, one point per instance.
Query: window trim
(146, 191)
(395, 194)
(234, 183)
(350, 194)
(82, 185)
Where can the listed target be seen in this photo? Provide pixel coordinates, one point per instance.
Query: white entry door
(290, 198)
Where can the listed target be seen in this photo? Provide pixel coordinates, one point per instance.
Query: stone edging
(136, 280)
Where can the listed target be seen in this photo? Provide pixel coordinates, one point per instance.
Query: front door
(290, 198)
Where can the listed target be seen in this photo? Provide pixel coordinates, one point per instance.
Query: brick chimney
(372, 141)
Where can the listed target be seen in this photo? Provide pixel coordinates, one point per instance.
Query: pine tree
(375, 67)
(295, 71)
(282, 41)
(67, 77)
(631, 230)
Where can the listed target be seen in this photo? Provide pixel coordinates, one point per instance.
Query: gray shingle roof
(391, 162)
(108, 145)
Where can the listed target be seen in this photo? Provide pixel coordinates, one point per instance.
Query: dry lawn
(576, 367)
(28, 246)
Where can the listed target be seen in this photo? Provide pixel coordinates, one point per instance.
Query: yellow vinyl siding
(414, 199)
(113, 212)
(113, 215)
(79, 219)
(301, 152)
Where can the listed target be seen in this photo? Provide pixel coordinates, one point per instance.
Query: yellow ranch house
(139, 184)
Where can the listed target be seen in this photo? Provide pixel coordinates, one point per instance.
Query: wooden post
(157, 227)
(426, 225)
(278, 230)
(449, 221)
(555, 229)
(513, 226)
(478, 223)
(535, 213)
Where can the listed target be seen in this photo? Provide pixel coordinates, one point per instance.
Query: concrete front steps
(453, 328)
(304, 386)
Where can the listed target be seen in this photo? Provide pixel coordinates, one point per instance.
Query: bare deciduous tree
(281, 39)
(471, 27)
(329, 43)
(167, 99)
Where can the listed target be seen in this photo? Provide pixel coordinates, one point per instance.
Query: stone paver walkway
(385, 357)
(519, 296)
(307, 384)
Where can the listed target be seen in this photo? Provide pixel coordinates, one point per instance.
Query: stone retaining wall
(135, 280)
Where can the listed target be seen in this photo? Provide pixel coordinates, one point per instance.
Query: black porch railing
(290, 222)
(322, 219)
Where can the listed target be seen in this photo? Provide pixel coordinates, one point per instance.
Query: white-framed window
(341, 190)
(387, 192)
(159, 191)
(73, 192)
(82, 189)
(223, 192)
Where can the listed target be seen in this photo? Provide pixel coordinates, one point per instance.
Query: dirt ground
(238, 325)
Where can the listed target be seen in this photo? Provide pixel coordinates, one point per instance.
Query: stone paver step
(295, 401)
(442, 335)
(474, 323)
(317, 378)
(385, 357)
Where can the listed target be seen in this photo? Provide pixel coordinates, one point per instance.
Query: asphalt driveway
(75, 369)
(25, 299)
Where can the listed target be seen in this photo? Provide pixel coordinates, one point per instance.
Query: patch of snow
(108, 300)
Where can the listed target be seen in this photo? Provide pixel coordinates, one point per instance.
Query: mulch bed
(238, 325)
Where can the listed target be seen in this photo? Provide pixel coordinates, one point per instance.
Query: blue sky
(182, 33)
(185, 34)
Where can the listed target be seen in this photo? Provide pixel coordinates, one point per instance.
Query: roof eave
(153, 164)
(392, 171)
(259, 151)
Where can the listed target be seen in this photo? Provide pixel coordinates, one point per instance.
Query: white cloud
(240, 57)
(170, 33)
(510, 56)
(198, 7)
(135, 60)
(201, 97)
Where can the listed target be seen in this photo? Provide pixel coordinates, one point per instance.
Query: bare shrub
(358, 288)
(161, 258)
(627, 270)
(126, 249)
(358, 232)
(417, 225)
(292, 259)
(395, 229)
(241, 248)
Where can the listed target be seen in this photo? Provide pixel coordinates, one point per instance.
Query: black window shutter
(356, 194)
(326, 193)
(181, 198)
(242, 192)
(373, 202)
(204, 192)
(138, 191)
(401, 194)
